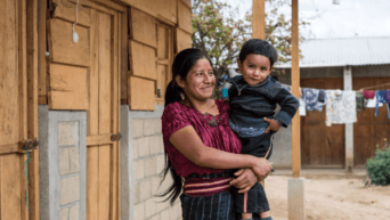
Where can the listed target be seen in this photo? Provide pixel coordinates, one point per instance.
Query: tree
(218, 33)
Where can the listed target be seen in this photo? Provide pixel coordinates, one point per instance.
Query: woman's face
(200, 81)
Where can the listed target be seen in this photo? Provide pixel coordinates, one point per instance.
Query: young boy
(253, 97)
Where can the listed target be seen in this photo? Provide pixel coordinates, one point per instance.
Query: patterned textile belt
(197, 187)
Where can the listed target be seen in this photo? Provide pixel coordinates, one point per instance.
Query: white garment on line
(340, 107)
(371, 103)
(302, 107)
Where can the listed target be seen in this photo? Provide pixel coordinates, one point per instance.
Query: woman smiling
(200, 147)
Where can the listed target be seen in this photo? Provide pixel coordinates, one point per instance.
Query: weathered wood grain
(61, 45)
(168, 10)
(184, 17)
(67, 11)
(142, 60)
(148, 6)
(142, 27)
(68, 87)
(141, 94)
(183, 40)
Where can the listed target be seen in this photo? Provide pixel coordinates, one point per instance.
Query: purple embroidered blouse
(178, 115)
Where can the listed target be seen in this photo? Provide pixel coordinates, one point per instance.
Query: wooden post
(295, 78)
(296, 185)
(258, 19)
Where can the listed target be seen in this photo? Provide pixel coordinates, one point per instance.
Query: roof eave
(328, 65)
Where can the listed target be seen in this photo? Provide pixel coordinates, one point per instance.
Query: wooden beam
(42, 100)
(258, 19)
(295, 78)
(10, 149)
(101, 139)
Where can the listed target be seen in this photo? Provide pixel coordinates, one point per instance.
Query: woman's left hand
(245, 180)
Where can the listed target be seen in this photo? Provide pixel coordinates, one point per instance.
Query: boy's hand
(273, 125)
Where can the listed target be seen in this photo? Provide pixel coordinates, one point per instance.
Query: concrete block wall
(142, 156)
(62, 164)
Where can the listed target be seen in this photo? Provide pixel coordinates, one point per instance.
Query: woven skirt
(219, 206)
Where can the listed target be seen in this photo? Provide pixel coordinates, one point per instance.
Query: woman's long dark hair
(182, 64)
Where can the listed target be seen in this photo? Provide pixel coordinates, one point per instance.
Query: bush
(378, 167)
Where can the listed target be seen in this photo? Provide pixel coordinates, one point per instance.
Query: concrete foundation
(62, 164)
(296, 199)
(142, 162)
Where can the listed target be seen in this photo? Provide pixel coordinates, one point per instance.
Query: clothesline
(370, 87)
(342, 105)
(365, 88)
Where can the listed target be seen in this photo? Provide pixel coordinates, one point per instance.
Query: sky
(363, 18)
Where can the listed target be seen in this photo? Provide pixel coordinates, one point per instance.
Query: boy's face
(255, 68)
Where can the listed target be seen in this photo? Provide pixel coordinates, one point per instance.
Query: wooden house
(81, 98)
(345, 64)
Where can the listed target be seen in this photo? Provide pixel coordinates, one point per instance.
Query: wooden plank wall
(184, 29)
(145, 19)
(370, 131)
(11, 129)
(322, 146)
(19, 194)
(153, 40)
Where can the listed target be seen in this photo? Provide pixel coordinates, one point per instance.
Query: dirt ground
(333, 199)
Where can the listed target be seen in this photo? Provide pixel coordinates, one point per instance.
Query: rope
(77, 15)
(75, 36)
(370, 87)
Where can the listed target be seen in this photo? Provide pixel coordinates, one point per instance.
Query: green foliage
(378, 167)
(218, 32)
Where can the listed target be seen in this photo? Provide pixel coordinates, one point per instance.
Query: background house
(346, 64)
(77, 96)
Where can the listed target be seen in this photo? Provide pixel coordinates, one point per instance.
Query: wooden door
(370, 131)
(85, 76)
(19, 181)
(103, 116)
(322, 146)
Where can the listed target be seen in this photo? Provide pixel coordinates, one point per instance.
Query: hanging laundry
(302, 107)
(380, 98)
(371, 103)
(322, 96)
(340, 107)
(311, 99)
(387, 96)
(360, 101)
(369, 94)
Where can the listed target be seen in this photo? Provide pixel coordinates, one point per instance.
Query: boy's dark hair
(259, 47)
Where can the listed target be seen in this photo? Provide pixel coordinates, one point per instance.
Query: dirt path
(332, 199)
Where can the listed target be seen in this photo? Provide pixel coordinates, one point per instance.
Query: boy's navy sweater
(250, 104)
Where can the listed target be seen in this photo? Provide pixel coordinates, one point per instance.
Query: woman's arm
(188, 142)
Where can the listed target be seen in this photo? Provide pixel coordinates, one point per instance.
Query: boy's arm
(289, 106)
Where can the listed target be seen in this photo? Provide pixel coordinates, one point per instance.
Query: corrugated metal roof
(357, 51)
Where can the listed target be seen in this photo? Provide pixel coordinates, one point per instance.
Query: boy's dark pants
(254, 201)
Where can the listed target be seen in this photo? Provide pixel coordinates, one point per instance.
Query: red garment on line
(177, 116)
(370, 94)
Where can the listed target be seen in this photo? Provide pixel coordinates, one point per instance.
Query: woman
(199, 144)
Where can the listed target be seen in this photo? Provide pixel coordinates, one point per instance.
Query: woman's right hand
(261, 168)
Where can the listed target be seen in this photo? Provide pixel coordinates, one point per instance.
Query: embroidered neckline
(215, 119)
